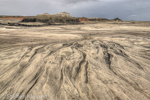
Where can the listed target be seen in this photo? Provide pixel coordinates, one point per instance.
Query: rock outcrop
(62, 18)
(97, 19)
(64, 14)
(42, 17)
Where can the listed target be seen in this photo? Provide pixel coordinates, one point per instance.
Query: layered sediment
(90, 62)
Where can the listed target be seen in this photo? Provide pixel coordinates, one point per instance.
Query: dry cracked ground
(103, 61)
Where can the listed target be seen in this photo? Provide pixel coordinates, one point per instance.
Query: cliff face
(12, 17)
(54, 17)
(62, 17)
(64, 14)
(43, 16)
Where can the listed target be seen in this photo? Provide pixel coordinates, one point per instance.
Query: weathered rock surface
(101, 66)
(62, 17)
(90, 70)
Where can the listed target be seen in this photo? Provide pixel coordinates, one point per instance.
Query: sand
(103, 61)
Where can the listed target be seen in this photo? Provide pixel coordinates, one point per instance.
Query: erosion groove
(83, 70)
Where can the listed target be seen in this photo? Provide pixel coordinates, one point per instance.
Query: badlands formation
(98, 61)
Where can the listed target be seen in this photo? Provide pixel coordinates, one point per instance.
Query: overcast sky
(124, 9)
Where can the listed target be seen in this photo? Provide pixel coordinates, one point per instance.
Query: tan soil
(103, 61)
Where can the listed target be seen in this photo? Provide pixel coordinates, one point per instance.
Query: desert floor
(102, 61)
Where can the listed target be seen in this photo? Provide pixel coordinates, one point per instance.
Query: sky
(138, 10)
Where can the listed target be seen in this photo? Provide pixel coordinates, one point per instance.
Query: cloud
(124, 9)
(133, 15)
(76, 1)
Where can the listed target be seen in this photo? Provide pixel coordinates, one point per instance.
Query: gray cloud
(76, 1)
(124, 9)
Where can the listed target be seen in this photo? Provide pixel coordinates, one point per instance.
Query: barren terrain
(102, 61)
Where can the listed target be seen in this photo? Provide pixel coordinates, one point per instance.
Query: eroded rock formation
(62, 17)
(103, 61)
(86, 70)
